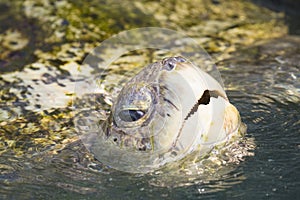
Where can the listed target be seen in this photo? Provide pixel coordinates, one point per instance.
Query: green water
(257, 59)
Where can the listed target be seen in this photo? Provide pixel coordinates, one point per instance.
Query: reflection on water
(269, 105)
(270, 97)
(262, 81)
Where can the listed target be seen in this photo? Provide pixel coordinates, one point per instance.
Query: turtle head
(144, 107)
(168, 110)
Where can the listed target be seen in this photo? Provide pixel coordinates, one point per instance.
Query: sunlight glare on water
(41, 156)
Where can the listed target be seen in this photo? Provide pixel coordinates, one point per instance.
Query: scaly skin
(168, 110)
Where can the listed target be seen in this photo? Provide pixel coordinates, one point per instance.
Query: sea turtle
(169, 110)
(174, 95)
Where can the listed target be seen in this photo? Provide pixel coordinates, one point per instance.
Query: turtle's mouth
(203, 100)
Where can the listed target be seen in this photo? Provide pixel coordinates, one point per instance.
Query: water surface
(259, 65)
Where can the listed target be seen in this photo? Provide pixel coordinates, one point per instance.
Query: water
(262, 81)
(268, 92)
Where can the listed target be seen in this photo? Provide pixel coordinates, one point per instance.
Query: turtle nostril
(171, 66)
(180, 59)
(170, 63)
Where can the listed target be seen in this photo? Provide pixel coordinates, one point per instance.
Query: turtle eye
(131, 115)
